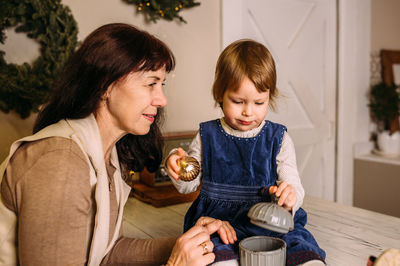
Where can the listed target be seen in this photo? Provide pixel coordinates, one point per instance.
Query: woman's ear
(106, 95)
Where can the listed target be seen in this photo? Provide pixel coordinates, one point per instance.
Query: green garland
(166, 9)
(23, 88)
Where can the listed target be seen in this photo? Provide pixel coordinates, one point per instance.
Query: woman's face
(245, 108)
(132, 103)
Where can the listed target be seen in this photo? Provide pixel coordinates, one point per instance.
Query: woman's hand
(286, 193)
(194, 247)
(173, 163)
(226, 231)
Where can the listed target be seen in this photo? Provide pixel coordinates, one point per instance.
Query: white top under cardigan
(286, 162)
(86, 134)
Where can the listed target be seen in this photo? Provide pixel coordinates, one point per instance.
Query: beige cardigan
(86, 134)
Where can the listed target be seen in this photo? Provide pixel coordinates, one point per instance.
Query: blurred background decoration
(23, 88)
(162, 9)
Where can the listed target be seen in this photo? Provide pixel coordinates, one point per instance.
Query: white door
(301, 35)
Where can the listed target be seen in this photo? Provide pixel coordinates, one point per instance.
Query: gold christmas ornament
(190, 168)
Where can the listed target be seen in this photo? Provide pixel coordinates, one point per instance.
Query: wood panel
(154, 222)
(349, 235)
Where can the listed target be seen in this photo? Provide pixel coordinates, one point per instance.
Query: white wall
(353, 85)
(385, 25)
(196, 46)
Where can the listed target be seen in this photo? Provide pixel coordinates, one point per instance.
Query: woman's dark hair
(107, 55)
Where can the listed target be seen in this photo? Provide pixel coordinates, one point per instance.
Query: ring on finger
(205, 247)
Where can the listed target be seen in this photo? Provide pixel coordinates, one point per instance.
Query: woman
(63, 193)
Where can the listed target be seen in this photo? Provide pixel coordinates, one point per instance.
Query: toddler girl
(242, 155)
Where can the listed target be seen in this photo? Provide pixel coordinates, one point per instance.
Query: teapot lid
(271, 216)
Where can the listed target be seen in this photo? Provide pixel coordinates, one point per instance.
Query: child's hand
(173, 163)
(286, 193)
(226, 231)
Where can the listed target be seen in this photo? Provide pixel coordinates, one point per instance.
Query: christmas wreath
(23, 88)
(166, 9)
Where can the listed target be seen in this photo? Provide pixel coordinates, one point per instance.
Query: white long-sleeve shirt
(286, 162)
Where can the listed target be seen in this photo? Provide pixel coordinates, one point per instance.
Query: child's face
(245, 108)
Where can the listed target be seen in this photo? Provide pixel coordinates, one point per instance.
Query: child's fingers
(178, 156)
(181, 152)
(289, 198)
(292, 199)
(223, 235)
(205, 220)
(272, 189)
(174, 175)
(286, 193)
(281, 187)
(227, 233)
(213, 226)
(173, 166)
(291, 202)
(175, 163)
(231, 233)
(283, 199)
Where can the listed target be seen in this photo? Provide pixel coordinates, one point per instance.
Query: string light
(157, 9)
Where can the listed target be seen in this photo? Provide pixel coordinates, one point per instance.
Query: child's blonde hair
(245, 58)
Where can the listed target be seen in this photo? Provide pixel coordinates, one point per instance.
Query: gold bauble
(190, 168)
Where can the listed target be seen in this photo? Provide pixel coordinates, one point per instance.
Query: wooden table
(349, 235)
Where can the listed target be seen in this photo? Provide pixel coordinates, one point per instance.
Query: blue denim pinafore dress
(235, 171)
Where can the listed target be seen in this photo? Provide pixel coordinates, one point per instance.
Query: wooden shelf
(379, 158)
(156, 188)
(160, 196)
(376, 183)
